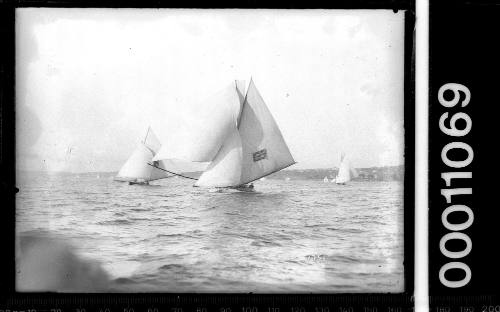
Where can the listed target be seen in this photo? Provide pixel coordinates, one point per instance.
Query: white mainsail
(136, 167)
(225, 169)
(208, 128)
(253, 149)
(264, 149)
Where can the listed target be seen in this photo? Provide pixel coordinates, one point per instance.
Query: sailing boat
(346, 172)
(136, 169)
(243, 142)
(325, 179)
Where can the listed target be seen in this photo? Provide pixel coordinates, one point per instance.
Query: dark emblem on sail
(262, 154)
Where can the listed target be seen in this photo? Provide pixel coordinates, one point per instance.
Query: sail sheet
(136, 167)
(192, 170)
(225, 169)
(208, 128)
(264, 150)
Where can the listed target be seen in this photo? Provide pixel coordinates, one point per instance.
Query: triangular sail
(225, 169)
(208, 130)
(190, 166)
(264, 150)
(240, 138)
(343, 175)
(253, 150)
(136, 167)
(346, 172)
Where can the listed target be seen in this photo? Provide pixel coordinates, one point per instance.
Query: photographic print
(230, 151)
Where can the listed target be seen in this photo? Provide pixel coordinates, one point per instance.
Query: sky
(89, 82)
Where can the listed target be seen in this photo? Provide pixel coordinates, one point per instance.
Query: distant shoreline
(384, 173)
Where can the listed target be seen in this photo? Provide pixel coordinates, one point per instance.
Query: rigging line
(150, 149)
(248, 88)
(168, 177)
(268, 174)
(177, 174)
(243, 105)
(145, 138)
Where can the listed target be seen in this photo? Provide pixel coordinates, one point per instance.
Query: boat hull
(138, 183)
(240, 188)
(244, 188)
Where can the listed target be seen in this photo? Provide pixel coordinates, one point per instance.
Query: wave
(172, 266)
(171, 235)
(264, 243)
(115, 222)
(348, 230)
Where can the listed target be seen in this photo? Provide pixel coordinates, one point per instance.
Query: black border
(9, 299)
(462, 50)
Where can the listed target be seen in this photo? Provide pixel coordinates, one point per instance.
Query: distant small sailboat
(346, 172)
(325, 179)
(136, 169)
(241, 141)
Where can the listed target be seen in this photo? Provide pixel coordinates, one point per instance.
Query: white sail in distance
(253, 149)
(136, 167)
(346, 172)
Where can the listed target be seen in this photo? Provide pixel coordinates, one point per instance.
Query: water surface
(289, 236)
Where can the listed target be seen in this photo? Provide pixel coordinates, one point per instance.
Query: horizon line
(286, 169)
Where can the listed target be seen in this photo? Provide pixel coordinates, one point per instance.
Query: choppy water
(289, 236)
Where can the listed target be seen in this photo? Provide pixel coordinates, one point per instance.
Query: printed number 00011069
(455, 228)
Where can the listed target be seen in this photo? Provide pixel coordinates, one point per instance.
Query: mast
(145, 138)
(243, 100)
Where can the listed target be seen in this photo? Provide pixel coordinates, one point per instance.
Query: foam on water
(288, 236)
